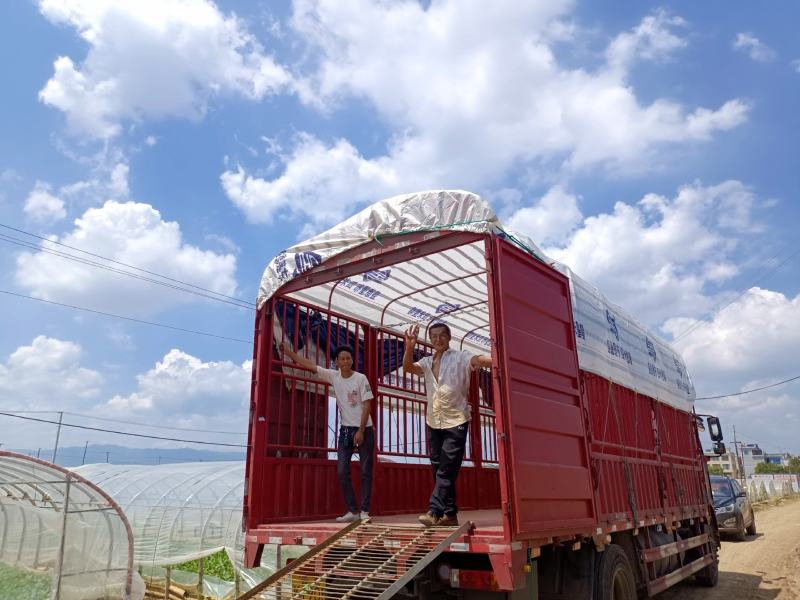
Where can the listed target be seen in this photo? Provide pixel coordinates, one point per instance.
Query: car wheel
(741, 534)
(751, 529)
(614, 578)
(709, 576)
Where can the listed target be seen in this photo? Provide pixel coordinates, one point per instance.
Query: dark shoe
(429, 519)
(448, 521)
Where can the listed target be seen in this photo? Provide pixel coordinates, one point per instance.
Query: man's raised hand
(411, 335)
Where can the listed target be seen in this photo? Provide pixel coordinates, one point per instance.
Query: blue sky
(651, 146)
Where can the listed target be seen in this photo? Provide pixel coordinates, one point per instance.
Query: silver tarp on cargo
(610, 342)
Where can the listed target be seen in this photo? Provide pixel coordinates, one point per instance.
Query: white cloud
(47, 374)
(226, 243)
(118, 185)
(153, 59)
(180, 390)
(657, 257)
(132, 233)
(46, 206)
(796, 65)
(754, 338)
(652, 39)
(549, 220)
(182, 385)
(319, 182)
(464, 108)
(755, 48)
(42, 206)
(750, 343)
(478, 103)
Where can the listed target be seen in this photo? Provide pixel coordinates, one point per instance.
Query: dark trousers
(345, 450)
(447, 452)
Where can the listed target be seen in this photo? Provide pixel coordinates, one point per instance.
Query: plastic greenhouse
(182, 512)
(61, 536)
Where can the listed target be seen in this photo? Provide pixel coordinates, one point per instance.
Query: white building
(750, 455)
(727, 462)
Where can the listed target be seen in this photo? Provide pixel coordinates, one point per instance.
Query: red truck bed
(556, 454)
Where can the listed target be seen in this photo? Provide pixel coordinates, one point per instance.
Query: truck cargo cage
(582, 442)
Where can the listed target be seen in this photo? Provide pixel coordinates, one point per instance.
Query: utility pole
(739, 466)
(744, 471)
(107, 453)
(83, 460)
(58, 435)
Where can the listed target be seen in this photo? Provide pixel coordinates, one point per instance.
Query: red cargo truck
(573, 486)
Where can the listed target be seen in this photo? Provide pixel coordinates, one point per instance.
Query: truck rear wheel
(614, 578)
(708, 576)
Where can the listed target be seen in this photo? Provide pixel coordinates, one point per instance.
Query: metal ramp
(362, 561)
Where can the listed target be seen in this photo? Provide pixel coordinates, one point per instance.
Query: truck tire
(751, 529)
(614, 578)
(708, 576)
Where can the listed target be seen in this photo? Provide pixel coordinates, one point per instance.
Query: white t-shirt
(351, 392)
(448, 397)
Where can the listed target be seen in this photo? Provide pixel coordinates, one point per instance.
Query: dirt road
(765, 567)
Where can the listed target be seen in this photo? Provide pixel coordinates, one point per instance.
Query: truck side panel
(644, 455)
(547, 480)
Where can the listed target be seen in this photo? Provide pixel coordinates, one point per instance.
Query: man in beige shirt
(447, 376)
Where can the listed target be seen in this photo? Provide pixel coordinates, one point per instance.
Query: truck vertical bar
(475, 426)
(250, 425)
(267, 399)
(498, 355)
(264, 379)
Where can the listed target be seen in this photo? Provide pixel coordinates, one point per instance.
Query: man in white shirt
(353, 395)
(447, 377)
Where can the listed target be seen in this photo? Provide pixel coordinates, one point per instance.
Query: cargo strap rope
(612, 400)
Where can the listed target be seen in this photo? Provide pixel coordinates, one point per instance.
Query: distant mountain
(73, 456)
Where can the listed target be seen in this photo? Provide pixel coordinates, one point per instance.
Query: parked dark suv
(734, 511)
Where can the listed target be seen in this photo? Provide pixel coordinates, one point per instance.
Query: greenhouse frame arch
(56, 522)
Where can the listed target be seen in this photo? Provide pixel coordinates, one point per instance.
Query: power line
(77, 259)
(154, 426)
(141, 435)
(700, 322)
(91, 263)
(111, 260)
(124, 422)
(153, 458)
(116, 316)
(766, 387)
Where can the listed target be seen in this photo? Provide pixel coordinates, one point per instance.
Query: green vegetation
(18, 584)
(218, 565)
(715, 470)
(767, 468)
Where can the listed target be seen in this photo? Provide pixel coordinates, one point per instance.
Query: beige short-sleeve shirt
(448, 397)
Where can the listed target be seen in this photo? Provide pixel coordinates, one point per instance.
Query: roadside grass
(778, 501)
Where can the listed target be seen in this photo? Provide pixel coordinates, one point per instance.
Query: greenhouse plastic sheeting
(451, 286)
(61, 536)
(180, 512)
